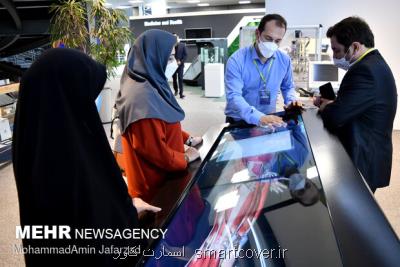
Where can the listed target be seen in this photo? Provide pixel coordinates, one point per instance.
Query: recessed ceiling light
(108, 4)
(244, 2)
(193, 1)
(135, 1)
(203, 4)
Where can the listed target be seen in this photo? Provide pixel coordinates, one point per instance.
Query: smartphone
(327, 92)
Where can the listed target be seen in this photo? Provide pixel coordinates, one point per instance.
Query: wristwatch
(189, 141)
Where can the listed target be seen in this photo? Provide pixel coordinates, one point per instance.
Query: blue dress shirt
(243, 83)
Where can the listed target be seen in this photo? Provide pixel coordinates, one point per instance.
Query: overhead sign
(168, 22)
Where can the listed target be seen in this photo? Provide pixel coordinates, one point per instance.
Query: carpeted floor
(201, 113)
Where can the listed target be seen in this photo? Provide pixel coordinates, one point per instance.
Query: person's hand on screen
(270, 120)
(141, 205)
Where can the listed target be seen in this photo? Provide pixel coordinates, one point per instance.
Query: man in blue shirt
(254, 75)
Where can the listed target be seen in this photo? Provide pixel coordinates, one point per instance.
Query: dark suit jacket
(180, 52)
(362, 116)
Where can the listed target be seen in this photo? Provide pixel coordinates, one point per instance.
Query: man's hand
(191, 154)
(324, 103)
(294, 104)
(317, 101)
(141, 206)
(179, 62)
(270, 119)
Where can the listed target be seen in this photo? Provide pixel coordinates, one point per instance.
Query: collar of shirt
(363, 55)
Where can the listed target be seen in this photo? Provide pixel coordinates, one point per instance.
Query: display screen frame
(199, 172)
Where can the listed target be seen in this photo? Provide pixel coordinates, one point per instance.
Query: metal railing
(25, 59)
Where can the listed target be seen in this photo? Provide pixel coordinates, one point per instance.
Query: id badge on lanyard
(265, 96)
(264, 93)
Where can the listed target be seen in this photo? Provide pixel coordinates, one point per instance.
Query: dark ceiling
(24, 25)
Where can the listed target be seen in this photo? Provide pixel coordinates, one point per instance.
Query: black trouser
(179, 73)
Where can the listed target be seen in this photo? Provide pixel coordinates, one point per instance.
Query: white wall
(382, 16)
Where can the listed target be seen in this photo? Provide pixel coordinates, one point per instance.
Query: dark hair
(352, 29)
(279, 21)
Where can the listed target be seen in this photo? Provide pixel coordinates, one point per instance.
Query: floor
(201, 113)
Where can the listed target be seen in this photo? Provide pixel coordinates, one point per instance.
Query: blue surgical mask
(343, 63)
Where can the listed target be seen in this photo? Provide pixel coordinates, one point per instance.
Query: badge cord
(268, 72)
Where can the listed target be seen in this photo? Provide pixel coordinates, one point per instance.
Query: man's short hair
(352, 29)
(279, 21)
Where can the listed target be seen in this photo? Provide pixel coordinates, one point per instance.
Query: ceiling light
(203, 4)
(193, 1)
(108, 4)
(135, 1)
(244, 2)
(123, 7)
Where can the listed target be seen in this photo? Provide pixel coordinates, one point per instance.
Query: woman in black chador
(64, 168)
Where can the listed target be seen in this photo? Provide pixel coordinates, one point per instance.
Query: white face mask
(267, 49)
(170, 69)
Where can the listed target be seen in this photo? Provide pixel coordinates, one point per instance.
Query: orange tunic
(152, 148)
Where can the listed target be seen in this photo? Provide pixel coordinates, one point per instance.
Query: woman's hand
(194, 141)
(141, 206)
(197, 140)
(191, 154)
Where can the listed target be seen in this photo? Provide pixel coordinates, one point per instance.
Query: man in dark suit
(180, 56)
(362, 114)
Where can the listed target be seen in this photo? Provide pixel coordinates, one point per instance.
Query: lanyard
(363, 55)
(268, 71)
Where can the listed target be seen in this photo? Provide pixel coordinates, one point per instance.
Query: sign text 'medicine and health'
(163, 22)
(65, 232)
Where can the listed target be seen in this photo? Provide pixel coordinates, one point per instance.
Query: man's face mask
(343, 63)
(267, 49)
(171, 67)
